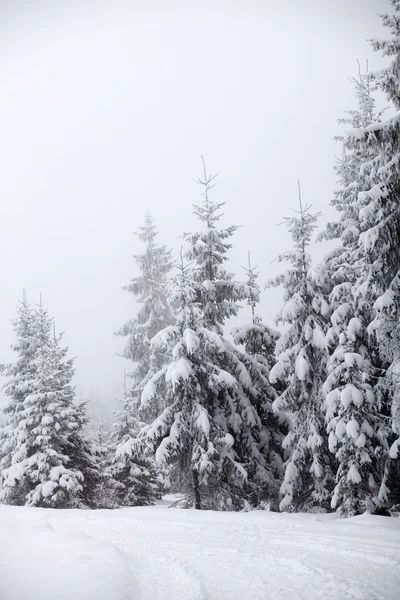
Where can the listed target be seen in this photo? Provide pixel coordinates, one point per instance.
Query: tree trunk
(196, 490)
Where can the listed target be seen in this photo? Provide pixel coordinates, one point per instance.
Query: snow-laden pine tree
(46, 460)
(354, 401)
(209, 430)
(259, 341)
(300, 370)
(379, 213)
(134, 474)
(82, 457)
(149, 290)
(18, 386)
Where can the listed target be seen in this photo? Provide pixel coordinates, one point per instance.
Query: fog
(105, 110)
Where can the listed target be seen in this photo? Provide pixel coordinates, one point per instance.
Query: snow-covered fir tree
(381, 222)
(210, 429)
(134, 474)
(300, 369)
(20, 373)
(379, 243)
(149, 290)
(357, 434)
(45, 460)
(259, 341)
(82, 457)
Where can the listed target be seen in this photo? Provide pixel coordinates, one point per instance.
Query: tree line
(307, 419)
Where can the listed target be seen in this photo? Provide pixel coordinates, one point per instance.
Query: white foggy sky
(105, 108)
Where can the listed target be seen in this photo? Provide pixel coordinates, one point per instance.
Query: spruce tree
(379, 239)
(18, 386)
(209, 430)
(134, 474)
(46, 460)
(381, 236)
(300, 370)
(356, 430)
(149, 290)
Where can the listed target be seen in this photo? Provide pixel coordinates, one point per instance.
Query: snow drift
(39, 562)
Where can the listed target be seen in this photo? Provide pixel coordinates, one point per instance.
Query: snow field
(189, 555)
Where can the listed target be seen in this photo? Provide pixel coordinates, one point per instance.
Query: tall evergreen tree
(300, 369)
(380, 240)
(356, 430)
(47, 462)
(209, 428)
(134, 474)
(149, 289)
(382, 224)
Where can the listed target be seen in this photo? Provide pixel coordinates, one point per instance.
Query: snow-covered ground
(156, 553)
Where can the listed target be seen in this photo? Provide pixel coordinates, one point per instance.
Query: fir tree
(379, 239)
(356, 431)
(209, 430)
(149, 289)
(21, 374)
(381, 222)
(46, 461)
(301, 361)
(134, 475)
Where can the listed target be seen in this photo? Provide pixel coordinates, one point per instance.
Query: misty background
(105, 108)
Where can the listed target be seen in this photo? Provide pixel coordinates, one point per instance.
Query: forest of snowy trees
(301, 418)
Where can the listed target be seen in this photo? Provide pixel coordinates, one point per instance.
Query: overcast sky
(105, 108)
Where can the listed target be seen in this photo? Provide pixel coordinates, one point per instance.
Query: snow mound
(38, 562)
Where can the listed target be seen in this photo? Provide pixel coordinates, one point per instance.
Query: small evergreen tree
(300, 368)
(259, 341)
(21, 374)
(47, 463)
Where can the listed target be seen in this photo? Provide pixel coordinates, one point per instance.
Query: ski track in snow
(191, 555)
